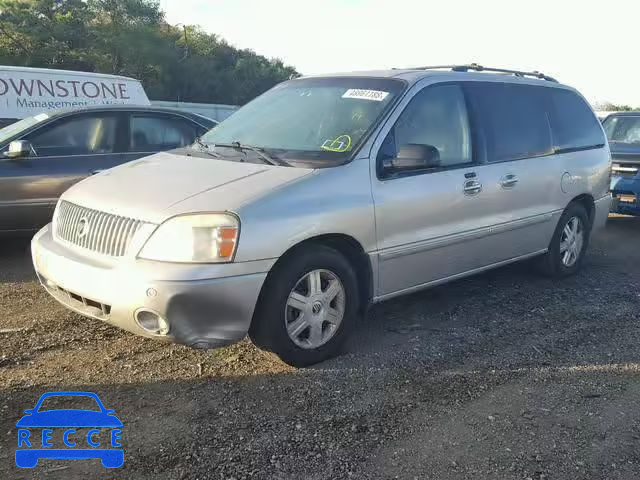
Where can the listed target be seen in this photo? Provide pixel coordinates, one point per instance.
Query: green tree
(132, 38)
(612, 107)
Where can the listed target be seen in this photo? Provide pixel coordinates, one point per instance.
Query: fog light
(151, 322)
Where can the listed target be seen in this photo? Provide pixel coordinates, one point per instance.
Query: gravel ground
(505, 376)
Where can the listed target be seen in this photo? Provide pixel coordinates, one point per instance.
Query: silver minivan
(325, 195)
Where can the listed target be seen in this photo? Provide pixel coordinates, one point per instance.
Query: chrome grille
(97, 231)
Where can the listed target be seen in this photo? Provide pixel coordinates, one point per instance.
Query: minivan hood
(167, 184)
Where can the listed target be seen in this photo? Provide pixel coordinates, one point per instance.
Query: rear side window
(575, 127)
(154, 133)
(513, 118)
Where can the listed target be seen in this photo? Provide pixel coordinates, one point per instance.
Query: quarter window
(436, 116)
(574, 124)
(80, 135)
(513, 119)
(158, 133)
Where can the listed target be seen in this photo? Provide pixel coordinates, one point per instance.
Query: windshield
(66, 402)
(622, 129)
(322, 119)
(10, 130)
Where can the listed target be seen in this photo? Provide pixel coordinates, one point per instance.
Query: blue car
(35, 433)
(623, 132)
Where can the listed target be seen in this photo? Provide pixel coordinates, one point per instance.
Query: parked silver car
(326, 194)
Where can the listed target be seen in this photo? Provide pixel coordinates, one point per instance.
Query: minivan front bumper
(205, 306)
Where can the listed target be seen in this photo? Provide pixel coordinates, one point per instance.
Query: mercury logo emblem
(316, 308)
(83, 227)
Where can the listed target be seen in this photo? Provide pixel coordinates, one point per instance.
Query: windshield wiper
(205, 148)
(261, 152)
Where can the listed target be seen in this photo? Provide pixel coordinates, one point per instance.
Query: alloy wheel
(571, 242)
(315, 308)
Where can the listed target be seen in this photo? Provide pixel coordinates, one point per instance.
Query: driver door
(432, 222)
(64, 152)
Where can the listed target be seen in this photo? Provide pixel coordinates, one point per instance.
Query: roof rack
(480, 68)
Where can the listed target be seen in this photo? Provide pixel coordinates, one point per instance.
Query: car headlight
(197, 238)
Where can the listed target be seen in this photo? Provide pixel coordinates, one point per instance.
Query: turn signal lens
(227, 241)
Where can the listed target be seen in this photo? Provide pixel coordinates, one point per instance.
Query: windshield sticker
(340, 144)
(375, 95)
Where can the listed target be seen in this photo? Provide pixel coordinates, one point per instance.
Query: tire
(291, 297)
(553, 263)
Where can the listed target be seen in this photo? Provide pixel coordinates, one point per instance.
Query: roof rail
(480, 68)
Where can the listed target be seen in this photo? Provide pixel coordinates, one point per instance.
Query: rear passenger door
(151, 133)
(522, 172)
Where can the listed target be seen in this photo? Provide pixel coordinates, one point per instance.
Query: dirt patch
(504, 375)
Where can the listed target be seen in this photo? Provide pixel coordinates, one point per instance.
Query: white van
(28, 91)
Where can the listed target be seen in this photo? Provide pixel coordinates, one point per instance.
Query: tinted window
(156, 133)
(623, 129)
(574, 124)
(513, 118)
(436, 116)
(78, 135)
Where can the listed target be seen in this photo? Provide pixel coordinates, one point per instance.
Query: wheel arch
(352, 251)
(586, 201)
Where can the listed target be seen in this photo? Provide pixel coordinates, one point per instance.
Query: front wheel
(308, 306)
(569, 243)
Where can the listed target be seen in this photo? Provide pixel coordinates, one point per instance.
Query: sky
(590, 44)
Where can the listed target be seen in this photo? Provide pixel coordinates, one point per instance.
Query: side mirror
(415, 156)
(19, 149)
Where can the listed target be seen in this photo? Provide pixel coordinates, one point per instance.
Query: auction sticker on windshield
(358, 93)
(69, 433)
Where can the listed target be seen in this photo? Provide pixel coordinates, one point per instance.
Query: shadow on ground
(503, 375)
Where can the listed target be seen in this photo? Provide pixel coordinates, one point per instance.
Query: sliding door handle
(509, 180)
(472, 187)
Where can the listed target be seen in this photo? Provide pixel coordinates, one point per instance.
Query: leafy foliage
(612, 107)
(132, 38)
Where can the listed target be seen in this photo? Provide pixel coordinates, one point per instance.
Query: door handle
(509, 180)
(472, 187)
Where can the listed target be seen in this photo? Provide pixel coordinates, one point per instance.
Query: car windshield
(623, 129)
(10, 130)
(65, 402)
(322, 120)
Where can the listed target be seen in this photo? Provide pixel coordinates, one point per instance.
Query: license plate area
(627, 198)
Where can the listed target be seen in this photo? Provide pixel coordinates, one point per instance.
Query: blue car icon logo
(40, 428)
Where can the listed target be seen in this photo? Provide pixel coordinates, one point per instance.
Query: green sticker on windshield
(340, 144)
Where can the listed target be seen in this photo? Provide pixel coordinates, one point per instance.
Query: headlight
(198, 238)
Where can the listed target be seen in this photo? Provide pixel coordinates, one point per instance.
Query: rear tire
(308, 306)
(568, 244)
